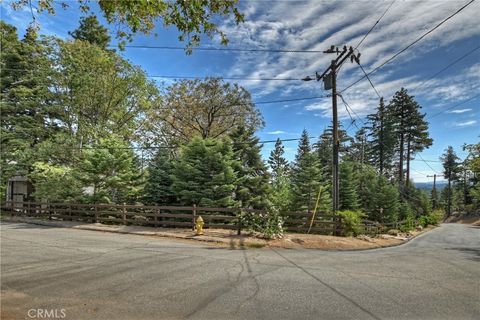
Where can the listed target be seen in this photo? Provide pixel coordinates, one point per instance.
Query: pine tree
(204, 174)
(158, 188)
(324, 148)
(382, 144)
(252, 188)
(411, 130)
(450, 172)
(111, 170)
(92, 31)
(278, 164)
(359, 147)
(347, 188)
(27, 113)
(306, 178)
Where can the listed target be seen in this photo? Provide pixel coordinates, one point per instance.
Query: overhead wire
(374, 25)
(409, 46)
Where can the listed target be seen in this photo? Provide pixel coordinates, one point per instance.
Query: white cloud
(276, 132)
(465, 123)
(315, 25)
(459, 110)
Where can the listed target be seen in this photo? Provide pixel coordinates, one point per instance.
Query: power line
(409, 46)
(366, 35)
(447, 66)
(426, 162)
(371, 83)
(225, 78)
(219, 49)
(294, 99)
(454, 106)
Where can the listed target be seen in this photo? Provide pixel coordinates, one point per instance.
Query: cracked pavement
(95, 275)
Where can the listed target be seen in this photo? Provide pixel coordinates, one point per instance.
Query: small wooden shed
(19, 189)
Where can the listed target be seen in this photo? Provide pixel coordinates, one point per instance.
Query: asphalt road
(94, 275)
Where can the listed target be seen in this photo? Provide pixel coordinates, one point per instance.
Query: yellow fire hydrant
(199, 226)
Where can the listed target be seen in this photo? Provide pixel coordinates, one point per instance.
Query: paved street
(94, 275)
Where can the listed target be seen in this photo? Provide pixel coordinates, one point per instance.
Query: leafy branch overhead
(192, 18)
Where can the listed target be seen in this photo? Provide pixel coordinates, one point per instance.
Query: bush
(352, 221)
(269, 224)
(434, 218)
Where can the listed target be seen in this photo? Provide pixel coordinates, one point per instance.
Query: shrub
(434, 218)
(269, 224)
(352, 221)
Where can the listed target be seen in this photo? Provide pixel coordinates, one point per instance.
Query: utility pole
(329, 77)
(434, 191)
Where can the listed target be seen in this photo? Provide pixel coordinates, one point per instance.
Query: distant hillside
(429, 185)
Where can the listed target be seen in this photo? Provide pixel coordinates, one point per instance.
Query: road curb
(64, 224)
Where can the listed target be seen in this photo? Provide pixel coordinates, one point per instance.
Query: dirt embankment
(465, 218)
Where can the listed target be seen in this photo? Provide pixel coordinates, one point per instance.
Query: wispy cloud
(323, 23)
(276, 132)
(465, 123)
(459, 110)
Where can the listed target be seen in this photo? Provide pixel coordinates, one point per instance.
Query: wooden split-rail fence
(167, 216)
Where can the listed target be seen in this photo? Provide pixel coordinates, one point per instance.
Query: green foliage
(158, 187)
(111, 171)
(410, 128)
(92, 31)
(306, 178)
(277, 162)
(382, 144)
(209, 108)
(406, 214)
(204, 174)
(269, 224)
(378, 198)
(352, 221)
(252, 188)
(281, 195)
(434, 218)
(192, 18)
(54, 183)
(347, 188)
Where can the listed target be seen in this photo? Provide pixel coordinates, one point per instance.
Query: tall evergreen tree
(252, 188)
(324, 148)
(278, 164)
(382, 139)
(450, 172)
(111, 170)
(92, 31)
(359, 147)
(204, 174)
(27, 112)
(158, 188)
(411, 130)
(347, 188)
(306, 178)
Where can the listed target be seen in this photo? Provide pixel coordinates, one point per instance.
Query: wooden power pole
(434, 191)
(329, 77)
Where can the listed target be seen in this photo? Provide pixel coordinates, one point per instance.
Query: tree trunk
(407, 180)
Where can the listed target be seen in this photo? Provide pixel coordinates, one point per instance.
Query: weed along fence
(165, 216)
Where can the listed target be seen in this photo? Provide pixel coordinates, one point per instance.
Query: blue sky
(315, 25)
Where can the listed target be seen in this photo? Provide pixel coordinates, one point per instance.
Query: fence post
(155, 212)
(96, 212)
(28, 209)
(124, 214)
(194, 212)
(239, 227)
